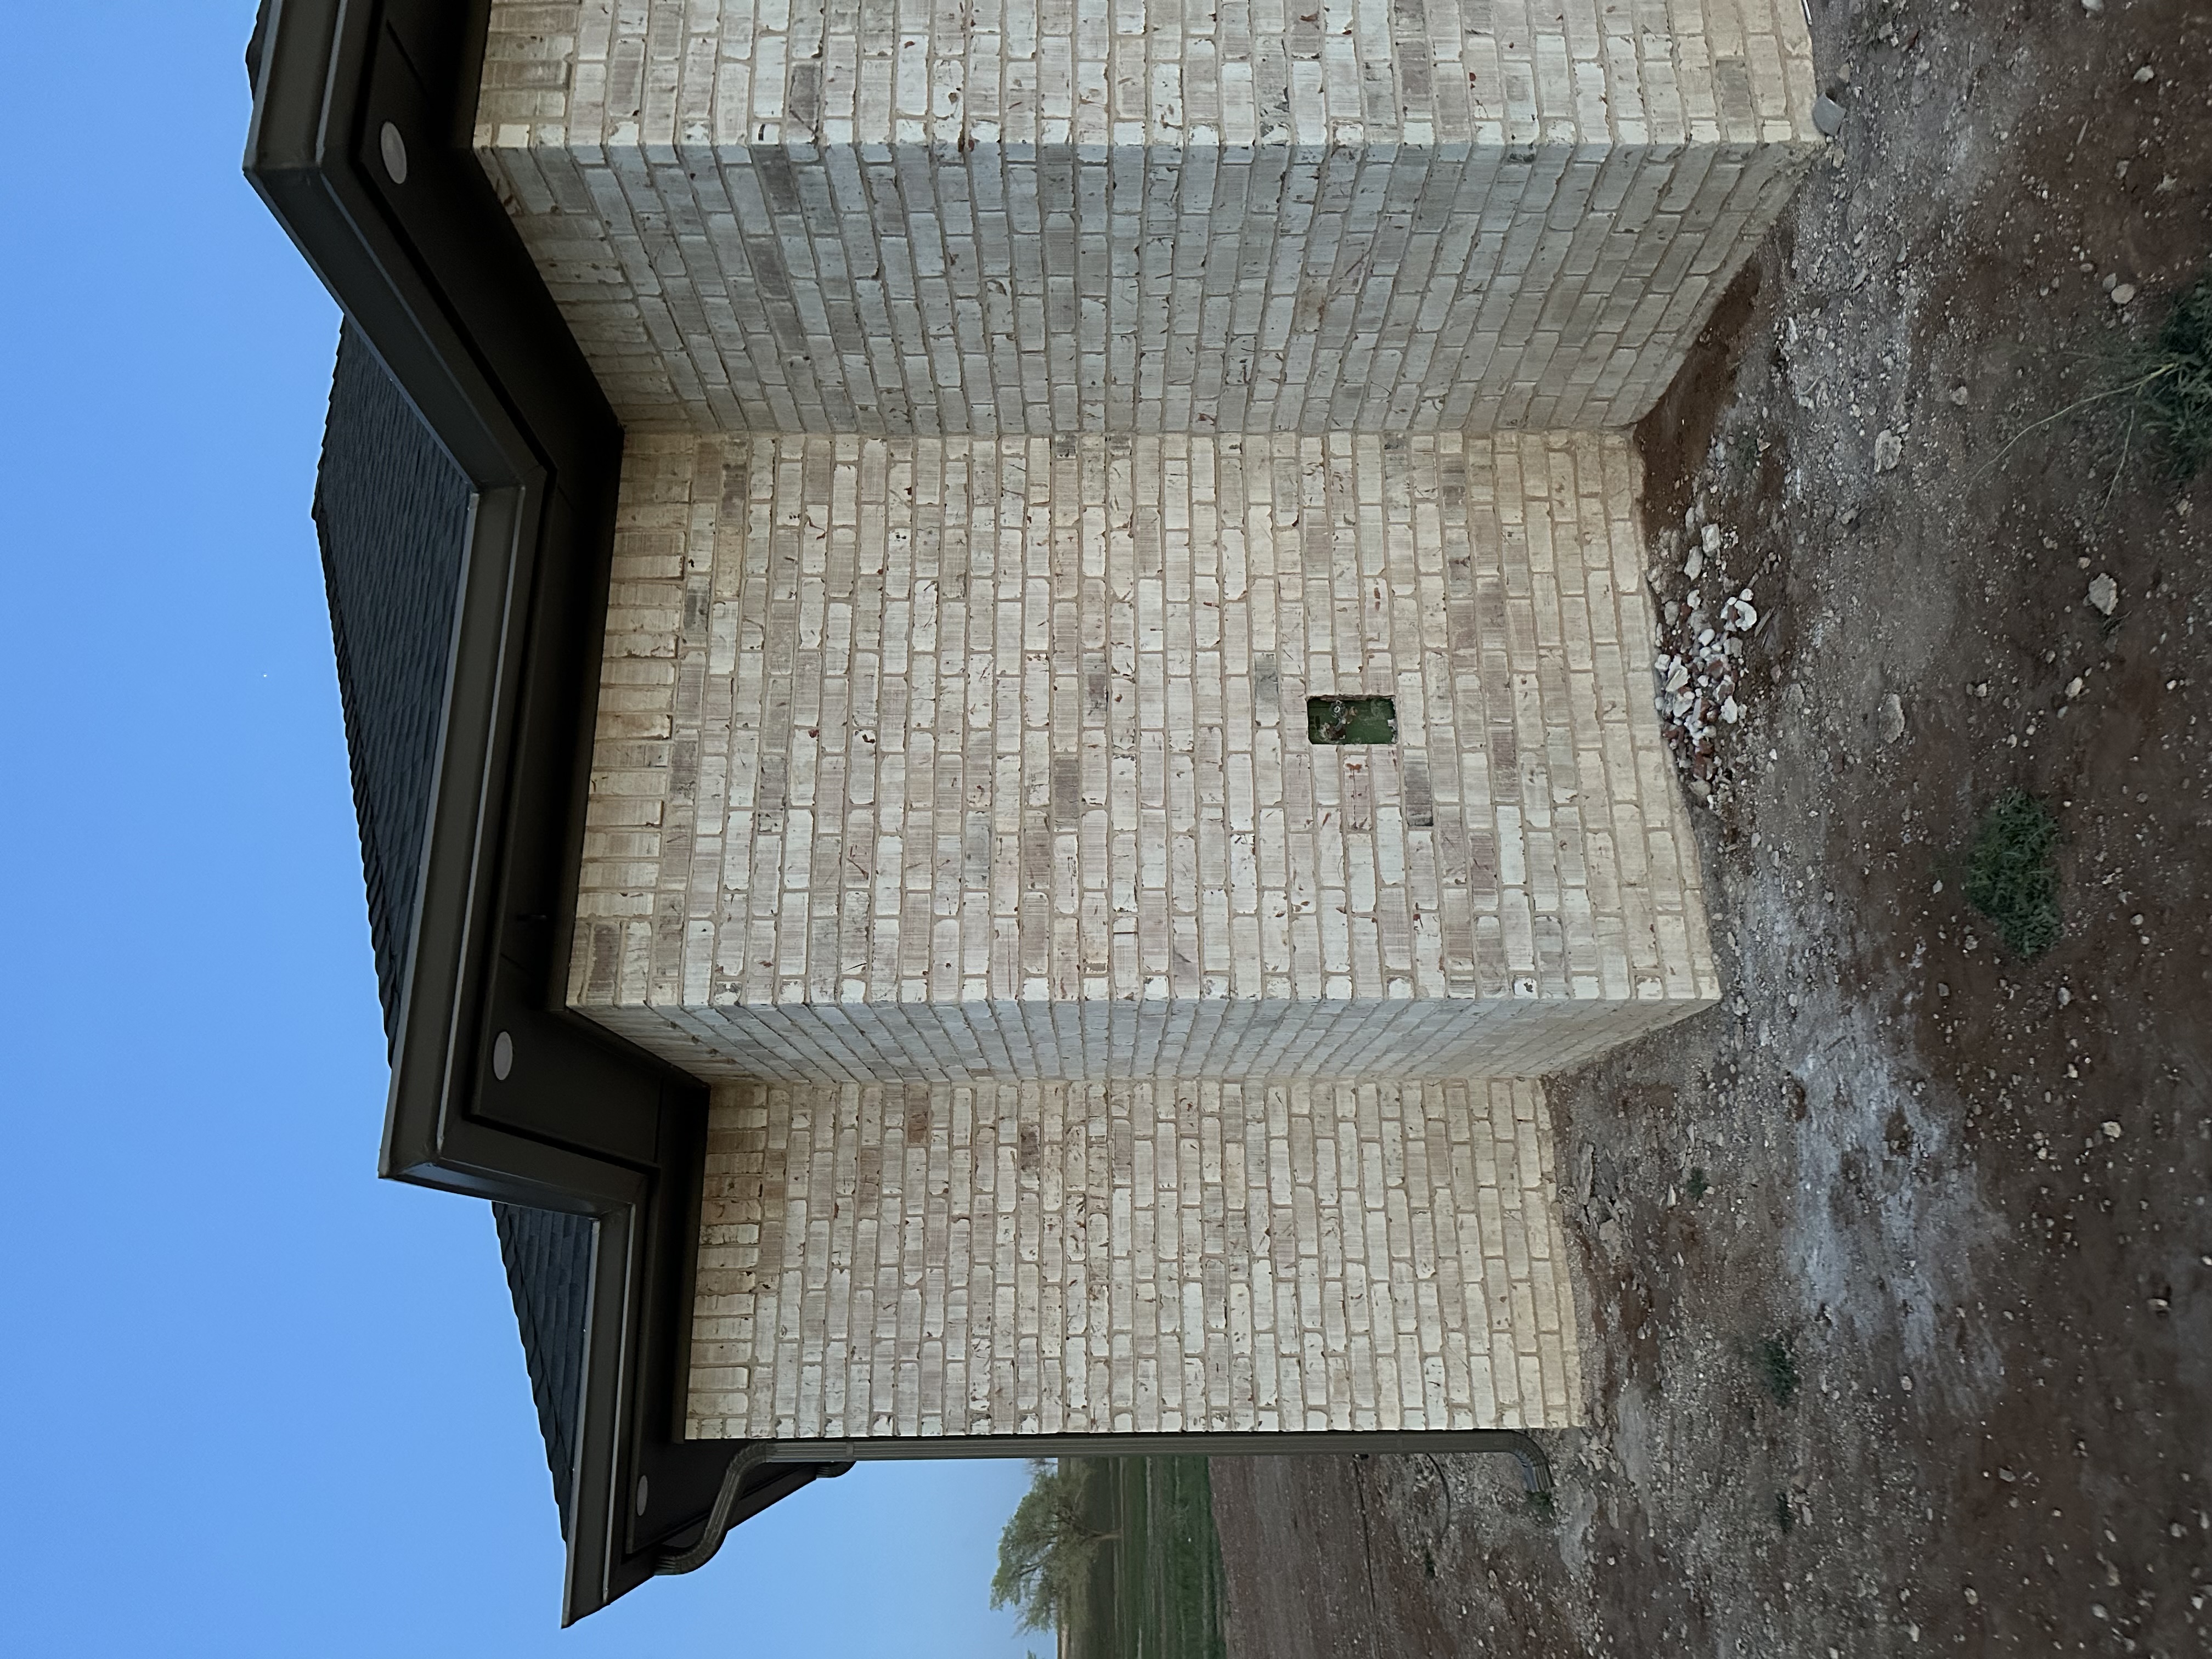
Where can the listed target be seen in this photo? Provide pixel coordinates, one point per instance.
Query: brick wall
(911, 748)
(1150, 72)
(1043, 225)
(1030, 403)
(1053, 1258)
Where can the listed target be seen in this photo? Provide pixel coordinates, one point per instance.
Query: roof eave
(431, 272)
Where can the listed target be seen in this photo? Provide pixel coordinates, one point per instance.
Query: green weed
(2168, 385)
(2178, 396)
(1778, 1367)
(2010, 877)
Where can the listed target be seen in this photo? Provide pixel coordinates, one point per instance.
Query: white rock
(1892, 718)
(1695, 565)
(2074, 686)
(2095, 8)
(2105, 594)
(1711, 538)
(2124, 293)
(1887, 448)
(1731, 711)
(1959, 395)
(2145, 73)
(2111, 1130)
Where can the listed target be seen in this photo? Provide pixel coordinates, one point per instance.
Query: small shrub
(1699, 1185)
(1538, 1506)
(2009, 875)
(1777, 1369)
(2178, 397)
(1784, 1516)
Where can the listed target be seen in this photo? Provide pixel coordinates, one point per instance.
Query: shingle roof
(392, 512)
(548, 1273)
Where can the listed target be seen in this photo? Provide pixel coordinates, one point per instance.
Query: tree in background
(1046, 1552)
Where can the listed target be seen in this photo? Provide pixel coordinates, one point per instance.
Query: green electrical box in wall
(1352, 719)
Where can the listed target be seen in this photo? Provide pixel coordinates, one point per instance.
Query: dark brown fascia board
(433, 276)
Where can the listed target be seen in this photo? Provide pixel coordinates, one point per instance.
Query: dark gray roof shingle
(549, 1273)
(392, 514)
(392, 511)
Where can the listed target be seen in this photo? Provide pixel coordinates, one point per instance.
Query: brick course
(1149, 73)
(946, 758)
(1048, 1258)
(1045, 223)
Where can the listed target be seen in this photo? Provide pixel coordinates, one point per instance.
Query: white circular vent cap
(393, 148)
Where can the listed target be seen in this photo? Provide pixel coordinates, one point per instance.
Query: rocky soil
(1896, 1270)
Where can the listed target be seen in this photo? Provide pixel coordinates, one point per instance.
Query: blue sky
(258, 1401)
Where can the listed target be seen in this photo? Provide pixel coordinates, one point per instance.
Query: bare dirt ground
(1957, 1199)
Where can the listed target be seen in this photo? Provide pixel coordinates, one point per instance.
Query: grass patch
(1777, 1369)
(2178, 397)
(2009, 876)
(1155, 1588)
(1539, 1507)
(2167, 387)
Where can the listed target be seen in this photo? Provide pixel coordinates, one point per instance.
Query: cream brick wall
(1150, 72)
(1138, 219)
(1060, 1259)
(940, 758)
(1030, 405)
